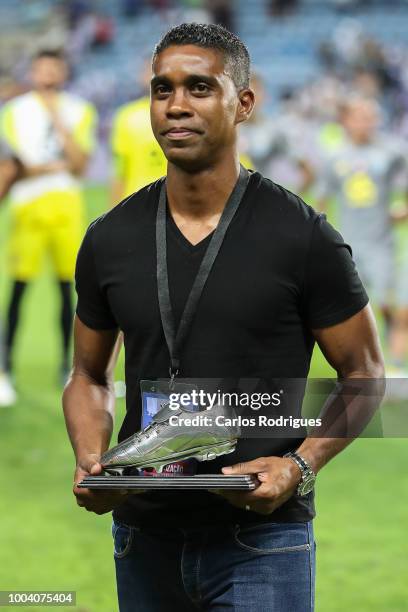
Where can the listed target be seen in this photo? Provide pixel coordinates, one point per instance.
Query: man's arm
(322, 205)
(326, 187)
(401, 214)
(89, 403)
(352, 348)
(75, 157)
(10, 171)
(400, 171)
(307, 173)
(59, 165)
(117, 190)
(75, 160)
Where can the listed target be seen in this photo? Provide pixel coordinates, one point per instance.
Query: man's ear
(246, 105)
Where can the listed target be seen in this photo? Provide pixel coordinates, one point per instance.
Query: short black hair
(212, 36)
(57, 54)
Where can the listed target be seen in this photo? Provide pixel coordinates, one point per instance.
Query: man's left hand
(278, 476)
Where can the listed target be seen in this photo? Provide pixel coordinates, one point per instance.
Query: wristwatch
(308, 476)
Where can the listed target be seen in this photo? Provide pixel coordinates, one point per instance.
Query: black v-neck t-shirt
(282, 271)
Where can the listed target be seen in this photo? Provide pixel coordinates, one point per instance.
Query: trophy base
(171, 482)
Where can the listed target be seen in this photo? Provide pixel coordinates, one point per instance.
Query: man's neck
(202, 195)
(47, 94)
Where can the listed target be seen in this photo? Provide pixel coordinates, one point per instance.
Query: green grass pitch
(47, 543)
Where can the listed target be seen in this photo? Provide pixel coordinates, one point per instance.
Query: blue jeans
(252, 568)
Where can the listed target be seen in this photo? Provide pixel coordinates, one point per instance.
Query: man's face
(361, 121)
(195, 106)
(48, 73)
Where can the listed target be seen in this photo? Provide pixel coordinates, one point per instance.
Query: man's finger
(96, 468)
(247, 467)
(92, 465)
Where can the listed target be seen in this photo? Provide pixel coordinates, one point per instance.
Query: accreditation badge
(155, 395)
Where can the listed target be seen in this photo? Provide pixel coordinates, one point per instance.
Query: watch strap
(302, 463)
(305, 469)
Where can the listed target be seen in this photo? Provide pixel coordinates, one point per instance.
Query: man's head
(199, 93)
(360, 117)
(49, 70)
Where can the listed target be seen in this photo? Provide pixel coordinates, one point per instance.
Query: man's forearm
(89, 415)
(322, 205)
(75, 157)
(117, 190)
(344, 417)
(308, 175)
(59, 165)
(319, 451)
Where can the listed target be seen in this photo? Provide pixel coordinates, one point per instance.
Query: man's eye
(201, 87)
(161, 89)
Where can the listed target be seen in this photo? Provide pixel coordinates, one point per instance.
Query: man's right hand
(98, 501)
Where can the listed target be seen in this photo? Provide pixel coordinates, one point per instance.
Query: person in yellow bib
(137, 157)
(52, 133)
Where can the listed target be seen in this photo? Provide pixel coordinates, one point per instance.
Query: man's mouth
(179, 133)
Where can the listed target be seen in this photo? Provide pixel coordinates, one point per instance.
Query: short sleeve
(333, 291)
(92, 305)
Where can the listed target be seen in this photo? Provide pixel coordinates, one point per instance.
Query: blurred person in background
(273, 143)
(137, 157)
(221, 12)
(361, 176)
(10, 171)
(52, 133)
(280, 8)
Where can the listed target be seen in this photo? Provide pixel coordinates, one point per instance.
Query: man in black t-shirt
(282, 279)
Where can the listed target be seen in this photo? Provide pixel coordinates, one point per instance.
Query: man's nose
(178, 105)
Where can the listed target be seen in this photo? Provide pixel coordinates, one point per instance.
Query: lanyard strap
(175, 339)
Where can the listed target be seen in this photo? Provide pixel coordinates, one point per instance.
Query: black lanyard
(175, 339)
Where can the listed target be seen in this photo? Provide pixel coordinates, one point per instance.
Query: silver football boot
(161, 443)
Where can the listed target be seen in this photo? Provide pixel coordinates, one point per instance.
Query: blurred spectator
(104, 31)
(137, 157)
(273, 144)
(51, 133)
(75, 11)
(131, 8)
(279, 8)
(361, 176)
(222, 12)
(160, 5)
(195, 11)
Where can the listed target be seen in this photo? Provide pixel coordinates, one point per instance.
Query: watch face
(306, 485)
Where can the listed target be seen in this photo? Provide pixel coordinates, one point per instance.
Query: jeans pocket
(270, 538)
(122, 540)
